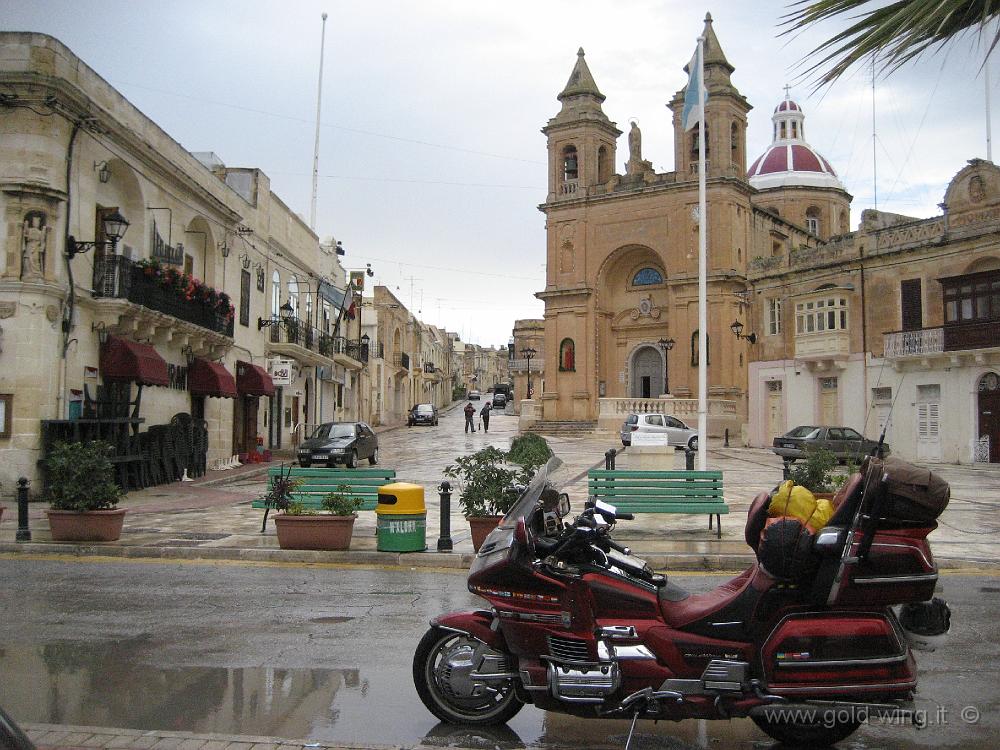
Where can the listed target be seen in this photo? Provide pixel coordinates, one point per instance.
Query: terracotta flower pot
(481, 527)
(321, 532)
(86, 526)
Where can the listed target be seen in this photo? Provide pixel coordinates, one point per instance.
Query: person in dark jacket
(470, 412)
(485, 414)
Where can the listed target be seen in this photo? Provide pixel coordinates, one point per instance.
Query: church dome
(790, 160)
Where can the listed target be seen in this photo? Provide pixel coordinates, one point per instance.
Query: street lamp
(115, 225)
(667, 345)
(286, 311)
(528, 353)
(737, 329)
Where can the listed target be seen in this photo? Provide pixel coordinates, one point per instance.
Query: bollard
(444, 539)
(23, 532)
(689, 459)
(609, 459)
(786, 470)
(726, 444)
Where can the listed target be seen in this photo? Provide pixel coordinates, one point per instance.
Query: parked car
(499, 400)
(677, 432)
(335, 443)
(423, 414)
(846, 444)
(474, 395)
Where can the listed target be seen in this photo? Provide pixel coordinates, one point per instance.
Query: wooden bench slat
(318, 482)
(629, 474)
(668, 486)
(654, 491)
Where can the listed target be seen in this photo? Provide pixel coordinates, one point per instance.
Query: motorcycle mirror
(563, 504)
(607, 511)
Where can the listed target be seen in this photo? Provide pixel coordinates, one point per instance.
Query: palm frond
(890, 35)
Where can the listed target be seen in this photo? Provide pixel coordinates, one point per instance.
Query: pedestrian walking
(470, 412)
(485, 414)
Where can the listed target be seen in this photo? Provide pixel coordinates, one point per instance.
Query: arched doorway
(989, 413)
(646, 373)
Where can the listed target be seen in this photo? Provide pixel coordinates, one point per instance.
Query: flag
(692, 113)
(350, 312)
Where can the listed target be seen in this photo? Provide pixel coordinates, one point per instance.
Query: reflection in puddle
(117, 684)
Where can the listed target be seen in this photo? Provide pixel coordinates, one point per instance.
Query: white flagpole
(989, 128)
(702, 272)
(319, 101)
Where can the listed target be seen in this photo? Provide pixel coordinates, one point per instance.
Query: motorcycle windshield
(530, 495)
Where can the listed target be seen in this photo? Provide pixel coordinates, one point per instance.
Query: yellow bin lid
(400, 499)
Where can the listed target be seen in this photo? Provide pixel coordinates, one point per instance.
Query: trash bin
(401, 518)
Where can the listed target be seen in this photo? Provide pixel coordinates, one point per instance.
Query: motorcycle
(579, 625)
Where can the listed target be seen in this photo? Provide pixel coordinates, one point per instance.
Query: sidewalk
(211, 518)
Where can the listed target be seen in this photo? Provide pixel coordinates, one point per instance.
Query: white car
(474, 395)
(678, 433)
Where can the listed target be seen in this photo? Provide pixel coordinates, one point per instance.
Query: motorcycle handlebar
(625, 516)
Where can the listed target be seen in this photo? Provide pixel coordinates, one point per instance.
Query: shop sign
(358, 281)
(280, 371)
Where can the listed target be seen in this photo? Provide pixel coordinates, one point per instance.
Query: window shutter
(912, 309)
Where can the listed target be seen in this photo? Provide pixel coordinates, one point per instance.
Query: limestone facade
(73, 150)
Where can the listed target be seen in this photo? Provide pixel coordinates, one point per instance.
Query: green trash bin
(401, 518)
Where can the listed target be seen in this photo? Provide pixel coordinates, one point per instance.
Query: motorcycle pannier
(913, 494)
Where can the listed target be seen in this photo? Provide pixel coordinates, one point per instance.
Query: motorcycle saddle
(733, 601)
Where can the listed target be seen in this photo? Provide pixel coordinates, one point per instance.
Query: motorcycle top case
(914, 495)
(899, 569)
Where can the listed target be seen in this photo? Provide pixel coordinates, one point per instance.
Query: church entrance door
(647, 373)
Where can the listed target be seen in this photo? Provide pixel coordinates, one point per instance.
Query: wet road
(323, 653)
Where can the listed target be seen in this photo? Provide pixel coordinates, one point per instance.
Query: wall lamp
(286, 312)
(737, 329)
(103, 171)
(224, 249)
(115, 226)
(102, 331)
(188, 353)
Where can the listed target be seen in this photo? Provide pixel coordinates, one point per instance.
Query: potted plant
(299, 527)
(82, 493)
(817, 473)
(484, 483)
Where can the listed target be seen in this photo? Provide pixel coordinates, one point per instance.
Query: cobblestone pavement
(212, 517)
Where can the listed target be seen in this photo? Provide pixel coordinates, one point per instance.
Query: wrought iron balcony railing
(118, 277)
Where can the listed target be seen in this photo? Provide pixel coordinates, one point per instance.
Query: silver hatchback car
(677, 433)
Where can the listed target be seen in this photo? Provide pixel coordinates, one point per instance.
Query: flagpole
(702, 272)
(319, 102)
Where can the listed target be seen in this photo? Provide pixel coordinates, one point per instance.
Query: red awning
(208, 378)
(125, 361)
(252, 380)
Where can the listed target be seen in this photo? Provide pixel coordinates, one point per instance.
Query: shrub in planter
(484, 482)
(529, 450)
(817, 472)
(340, 503)
(82, 493)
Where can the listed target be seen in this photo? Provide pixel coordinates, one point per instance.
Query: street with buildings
(180, 310)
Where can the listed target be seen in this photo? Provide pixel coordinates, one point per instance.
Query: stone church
(621, 294)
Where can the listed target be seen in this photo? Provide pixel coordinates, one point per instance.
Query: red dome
(788, 106)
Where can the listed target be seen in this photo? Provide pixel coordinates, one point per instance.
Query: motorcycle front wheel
(443, 666)
(800, 734)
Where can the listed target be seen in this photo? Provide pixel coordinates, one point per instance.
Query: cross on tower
(787, 87)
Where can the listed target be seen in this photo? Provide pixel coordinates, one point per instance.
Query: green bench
(660, 492)
(318, 483)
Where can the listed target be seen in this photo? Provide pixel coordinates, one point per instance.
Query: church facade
(621, 295)
(892, 325)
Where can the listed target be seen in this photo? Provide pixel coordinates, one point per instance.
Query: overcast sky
(431, 161)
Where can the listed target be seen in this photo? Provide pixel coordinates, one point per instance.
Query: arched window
(694, 143)
(812, 220)
(567, 356)
(734, 140)
(570, 164)
(647, 276)
(275, 295)
(293, 296)
(694, 349)
(845, 224)
(603, 165)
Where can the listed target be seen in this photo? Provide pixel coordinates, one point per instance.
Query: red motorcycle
(807, 646)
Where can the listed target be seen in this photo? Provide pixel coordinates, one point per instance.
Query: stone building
(529, 334)
(894, 325)
(216, 303)
(622, 258)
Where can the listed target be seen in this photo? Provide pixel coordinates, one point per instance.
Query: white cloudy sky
(431, 162)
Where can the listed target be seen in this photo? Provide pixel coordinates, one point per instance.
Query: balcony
(402, 361)
(296, 339)
(350, 354)
(823, 346)
(119, 278)
(950, 339)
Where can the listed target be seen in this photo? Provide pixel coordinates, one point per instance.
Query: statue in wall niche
(35, 243)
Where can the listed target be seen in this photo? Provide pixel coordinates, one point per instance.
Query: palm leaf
(890, 35)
